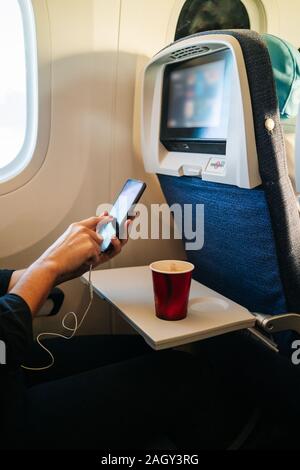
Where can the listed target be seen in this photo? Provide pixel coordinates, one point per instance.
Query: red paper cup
(171, 285)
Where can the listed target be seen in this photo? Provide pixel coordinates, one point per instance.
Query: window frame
(257, 15)
(255, 9)
(38, 69)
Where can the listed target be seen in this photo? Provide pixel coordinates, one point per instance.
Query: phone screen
(130, 194)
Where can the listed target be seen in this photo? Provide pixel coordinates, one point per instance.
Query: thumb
(91, 223)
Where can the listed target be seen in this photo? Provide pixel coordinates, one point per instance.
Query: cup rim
(160, 271)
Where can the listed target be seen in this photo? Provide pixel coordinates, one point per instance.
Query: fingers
(127, 225)
(104, 220)
(117, 246)
(95, 236)
(124, 231)
(133, 215)
(88, 226)
(81, 230)
(95, 257)
(92, 222)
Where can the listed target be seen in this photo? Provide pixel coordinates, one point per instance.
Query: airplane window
(205, 15)
(17, 79)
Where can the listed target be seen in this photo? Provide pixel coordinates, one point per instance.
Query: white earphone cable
(59, 335)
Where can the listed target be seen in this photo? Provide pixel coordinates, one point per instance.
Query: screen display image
(122, 206)
(196, 96)
(196, 103)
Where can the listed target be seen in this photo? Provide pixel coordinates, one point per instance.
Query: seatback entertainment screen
(195, 109)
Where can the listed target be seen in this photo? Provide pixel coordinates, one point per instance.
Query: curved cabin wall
(97, 52)
(90, 151)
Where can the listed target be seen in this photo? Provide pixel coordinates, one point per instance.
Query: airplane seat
(251, 252)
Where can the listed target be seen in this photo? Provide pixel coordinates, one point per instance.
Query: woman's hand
(80, 247)
(69, 257)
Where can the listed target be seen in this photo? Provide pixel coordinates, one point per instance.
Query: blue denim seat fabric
(239, 257)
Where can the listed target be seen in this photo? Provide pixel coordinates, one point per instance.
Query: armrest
(53, 303)
(278, 323)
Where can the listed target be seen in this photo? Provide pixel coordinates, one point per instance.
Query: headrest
(285, 60)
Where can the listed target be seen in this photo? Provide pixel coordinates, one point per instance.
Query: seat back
(251, 252)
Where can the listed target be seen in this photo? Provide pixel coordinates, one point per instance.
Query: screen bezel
(182, 139)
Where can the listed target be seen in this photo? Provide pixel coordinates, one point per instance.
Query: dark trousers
(114, 392)
(106, 392)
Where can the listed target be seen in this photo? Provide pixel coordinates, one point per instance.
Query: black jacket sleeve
(5, 275)
(15, 324)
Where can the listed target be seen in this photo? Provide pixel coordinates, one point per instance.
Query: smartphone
(124, 205)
